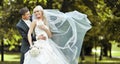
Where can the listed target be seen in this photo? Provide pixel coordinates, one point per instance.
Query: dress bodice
(39, 31)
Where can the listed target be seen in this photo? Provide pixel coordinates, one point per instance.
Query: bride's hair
(38, 7)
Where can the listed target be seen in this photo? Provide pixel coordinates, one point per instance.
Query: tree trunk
(49, 4)
(101, 53)
(2, 51)
(1, 3)
(82, 55)
(65, 5)
(91, 5)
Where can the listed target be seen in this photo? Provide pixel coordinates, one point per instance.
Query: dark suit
(23, 30)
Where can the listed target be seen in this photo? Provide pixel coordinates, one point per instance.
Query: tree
(104, 16)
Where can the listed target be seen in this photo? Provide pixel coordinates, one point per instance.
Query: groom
(23, 27)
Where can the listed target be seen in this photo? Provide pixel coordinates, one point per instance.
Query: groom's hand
(42, 37)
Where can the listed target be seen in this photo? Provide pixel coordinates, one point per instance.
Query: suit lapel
(24, 25)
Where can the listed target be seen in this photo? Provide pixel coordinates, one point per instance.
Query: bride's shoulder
(34, 21)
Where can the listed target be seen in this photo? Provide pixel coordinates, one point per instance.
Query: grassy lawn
(9, 62)
(115, 51)
(13, 58)
(105, 60)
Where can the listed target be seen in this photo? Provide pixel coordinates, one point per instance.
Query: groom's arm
(33, 37)
(22, 33)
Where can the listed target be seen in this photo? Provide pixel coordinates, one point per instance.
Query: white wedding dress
(49, 53)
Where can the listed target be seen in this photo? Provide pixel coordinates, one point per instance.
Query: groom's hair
(23, 10)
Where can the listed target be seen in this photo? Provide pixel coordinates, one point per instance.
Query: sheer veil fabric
(68, 31)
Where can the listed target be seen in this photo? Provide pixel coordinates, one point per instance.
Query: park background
(101, 43)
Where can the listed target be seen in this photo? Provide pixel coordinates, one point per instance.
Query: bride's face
(38, 13)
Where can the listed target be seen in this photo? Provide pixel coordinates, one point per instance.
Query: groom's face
(26, 16)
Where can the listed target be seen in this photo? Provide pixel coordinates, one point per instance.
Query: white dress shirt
(28, 22)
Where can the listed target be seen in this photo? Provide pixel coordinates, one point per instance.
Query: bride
(61, 36)
(48, 53)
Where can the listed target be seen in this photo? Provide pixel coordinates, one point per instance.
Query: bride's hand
(31, 46)
(43, 27)
(42, 37)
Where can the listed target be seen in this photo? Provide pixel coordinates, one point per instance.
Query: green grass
(13, 58)
(9, 62)
(115, 51)
(105, 60)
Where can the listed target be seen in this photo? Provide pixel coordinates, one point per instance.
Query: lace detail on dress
(38, 31)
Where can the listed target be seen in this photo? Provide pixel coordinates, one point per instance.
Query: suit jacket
(23, 30)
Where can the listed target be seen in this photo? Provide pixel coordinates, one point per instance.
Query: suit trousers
(22, 58)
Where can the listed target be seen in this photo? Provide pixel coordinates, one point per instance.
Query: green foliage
(103, 16)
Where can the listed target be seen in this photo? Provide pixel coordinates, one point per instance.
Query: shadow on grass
(10, 62)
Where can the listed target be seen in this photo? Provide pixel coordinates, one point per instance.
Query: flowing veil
(68, 31)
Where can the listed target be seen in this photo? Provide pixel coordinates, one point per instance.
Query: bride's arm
(47, 30)
(32, 26)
